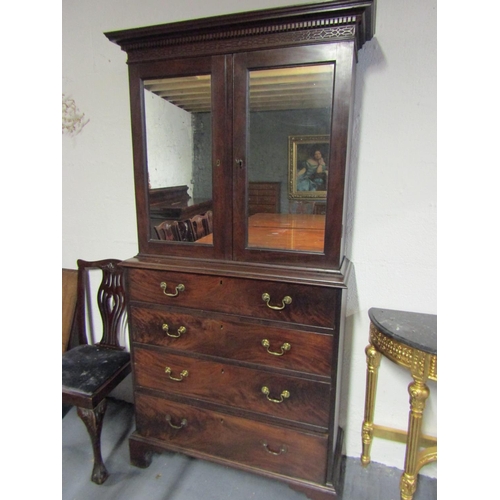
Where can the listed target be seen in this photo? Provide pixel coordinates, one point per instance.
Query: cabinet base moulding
(143, 449)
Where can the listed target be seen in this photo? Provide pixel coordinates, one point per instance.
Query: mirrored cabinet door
(292, 168)
(178, 154)
(290, 111)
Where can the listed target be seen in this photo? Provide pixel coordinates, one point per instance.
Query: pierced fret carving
(263, 37)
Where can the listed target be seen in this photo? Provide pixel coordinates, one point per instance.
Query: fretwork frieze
(237, 41)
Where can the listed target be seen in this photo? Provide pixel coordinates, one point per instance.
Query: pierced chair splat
(168, 230)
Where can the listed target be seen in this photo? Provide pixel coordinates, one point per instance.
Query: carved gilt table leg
(93, 421)
(373, 363)
(419, 392)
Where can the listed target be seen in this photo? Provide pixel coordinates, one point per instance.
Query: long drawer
(225, 337)
(308, 305)
(289, 452)
(289, 398)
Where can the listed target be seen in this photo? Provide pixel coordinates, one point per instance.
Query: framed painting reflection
(308, 166)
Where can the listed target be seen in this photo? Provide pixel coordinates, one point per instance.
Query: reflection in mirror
(290, 118)
(179, 158)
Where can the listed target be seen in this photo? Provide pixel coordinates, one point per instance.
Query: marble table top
(416, 330)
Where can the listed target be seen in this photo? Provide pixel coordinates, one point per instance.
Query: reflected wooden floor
(301, 232)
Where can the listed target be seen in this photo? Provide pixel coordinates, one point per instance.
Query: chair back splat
(110, 300)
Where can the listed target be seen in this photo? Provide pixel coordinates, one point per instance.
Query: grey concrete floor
(173, 476)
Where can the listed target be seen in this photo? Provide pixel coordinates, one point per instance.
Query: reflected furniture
(237, 337)
(91, 372)
(168, 231)
(410, 340)
(200, 226)
(264, 197)
(174, 204)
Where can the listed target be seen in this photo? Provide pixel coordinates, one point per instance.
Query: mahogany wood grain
(310, 305)
(233, 438)
(233, 386)
(231, 338)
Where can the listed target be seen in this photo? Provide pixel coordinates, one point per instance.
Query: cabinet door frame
(343, 55)
(221, 173)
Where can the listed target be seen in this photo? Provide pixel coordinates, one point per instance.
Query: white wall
(169, 143)
(391, 220)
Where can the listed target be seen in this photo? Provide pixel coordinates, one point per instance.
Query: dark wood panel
(233, 438)
(234, 386)
(229, 338)
(309, 306)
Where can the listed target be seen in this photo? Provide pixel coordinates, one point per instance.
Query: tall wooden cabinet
(236, 338)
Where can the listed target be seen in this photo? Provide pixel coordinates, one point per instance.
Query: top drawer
(289, 302)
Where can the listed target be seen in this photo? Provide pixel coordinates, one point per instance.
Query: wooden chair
(199, 224)
(209, 218)
(90, 372)
(186, 232)
(168, 230)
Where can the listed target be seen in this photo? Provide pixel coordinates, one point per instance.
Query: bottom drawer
(284, 451)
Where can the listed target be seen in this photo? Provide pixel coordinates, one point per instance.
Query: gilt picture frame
(308, 157)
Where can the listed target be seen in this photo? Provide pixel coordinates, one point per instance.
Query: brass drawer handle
(180, 331)
(283, 449)
(179, 288)
(284, 395)
(285, 347)
(184, 422)
(286, 300)
(183, 374)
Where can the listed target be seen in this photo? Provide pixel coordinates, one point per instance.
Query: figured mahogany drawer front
(292, 453)
(276, 347)
(289, 398)
(309, 305)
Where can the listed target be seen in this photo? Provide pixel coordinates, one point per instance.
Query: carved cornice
(327, 21)
(237, 43)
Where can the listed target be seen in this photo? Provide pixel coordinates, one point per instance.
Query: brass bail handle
(284, 395)
(284, 348)
(283, 449)
(179, 288)
(180, 331)
(183, 374)
(286, 300)
(183, 423)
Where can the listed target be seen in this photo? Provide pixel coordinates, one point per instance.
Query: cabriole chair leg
(92, 418)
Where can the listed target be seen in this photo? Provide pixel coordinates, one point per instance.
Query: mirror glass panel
(179, 158)
(288, 157)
